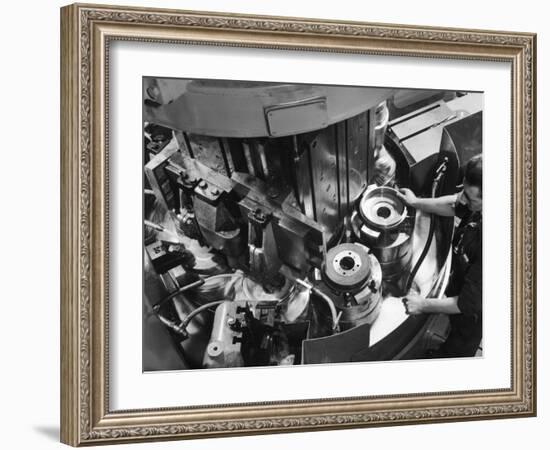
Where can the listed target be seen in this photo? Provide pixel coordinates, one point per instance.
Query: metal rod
(248, 158)
(197, 311)
(263, 159)
(153, 225)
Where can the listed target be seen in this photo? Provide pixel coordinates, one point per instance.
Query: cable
(181, 290)
(435, 185)
(185, 322)
(181, 328)
(327, 299)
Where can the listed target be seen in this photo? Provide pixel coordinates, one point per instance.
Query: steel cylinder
(380, 222)
(353, 277)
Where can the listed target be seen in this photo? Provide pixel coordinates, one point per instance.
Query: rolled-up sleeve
(470, 297)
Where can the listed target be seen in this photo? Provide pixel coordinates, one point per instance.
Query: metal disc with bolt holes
(347, 266)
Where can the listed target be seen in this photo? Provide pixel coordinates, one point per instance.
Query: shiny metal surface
(209, 152)
(245, 109)
(303, 178)
(406, 126)
(254, 291)
(394, 253)
(321, 152)
(332, 170)
(366, 304)
(346, 262)
(356, 155)
(347, 267)
(381, 118)
(353, 280)
(381, 224)
(381, 208)
(297, 116)
(224, 347)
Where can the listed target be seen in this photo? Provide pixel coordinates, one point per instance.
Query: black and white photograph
(288, 224)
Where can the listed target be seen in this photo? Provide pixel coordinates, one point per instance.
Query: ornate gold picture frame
(87, 31)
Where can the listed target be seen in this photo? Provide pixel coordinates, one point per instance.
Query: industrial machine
(274, 234)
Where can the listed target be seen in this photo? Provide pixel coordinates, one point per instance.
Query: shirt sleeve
(470, 297)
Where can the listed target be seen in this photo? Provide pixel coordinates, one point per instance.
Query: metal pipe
(173, 326)
(181, 290)
(197, 311)
(327, 299)
(160, 229)
(153, 225)
(181, 328)
(248, 159)
(263, 159)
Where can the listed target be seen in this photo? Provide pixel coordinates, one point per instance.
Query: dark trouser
(464, 337)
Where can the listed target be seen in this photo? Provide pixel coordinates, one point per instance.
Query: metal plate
(382, 209)
(294, 118)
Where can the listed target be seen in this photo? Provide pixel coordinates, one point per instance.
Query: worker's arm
(442, 206)
(415, 304)
(468, 302)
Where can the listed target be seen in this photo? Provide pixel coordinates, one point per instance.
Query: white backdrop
(30, 197)
(130, 389)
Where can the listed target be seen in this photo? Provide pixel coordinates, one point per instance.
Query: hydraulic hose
(197, 311)
(334, 315)
(181, 290)
(181, 328)
(435, 187)
(193, 285)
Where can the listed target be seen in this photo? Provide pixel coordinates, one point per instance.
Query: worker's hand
(414, 304)
(407, 196)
